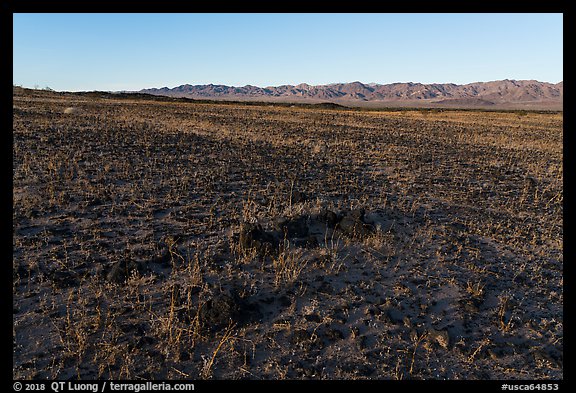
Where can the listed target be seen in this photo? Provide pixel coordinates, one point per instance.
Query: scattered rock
(333, 334)
(395, 316)
(329, 217)
(300, 336)
(298, 196)
(363, 344)
(352, 224)
(550, 357)
(357, 214)
(358, 370)
(145, 341)
(23, 272)
(313, 318)
(64, 279)
(471, 305)
(326, 288)
(372, 311)
(305, 370)
(184, 356)
(364, 370)
(123, 269)
(137, 329)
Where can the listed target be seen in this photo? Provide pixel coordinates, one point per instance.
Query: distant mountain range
(511, 93)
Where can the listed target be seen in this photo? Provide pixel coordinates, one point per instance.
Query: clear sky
(81, 52)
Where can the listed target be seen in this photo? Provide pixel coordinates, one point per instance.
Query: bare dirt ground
(166, 240)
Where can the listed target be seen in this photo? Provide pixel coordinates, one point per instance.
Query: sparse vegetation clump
(182, 240)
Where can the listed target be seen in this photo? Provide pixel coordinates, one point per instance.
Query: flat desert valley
(169, 239)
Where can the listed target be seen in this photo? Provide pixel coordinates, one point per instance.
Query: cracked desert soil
(157, 239)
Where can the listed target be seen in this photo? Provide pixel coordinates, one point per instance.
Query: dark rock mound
(227, 308)
(293, 227)
(252, 236)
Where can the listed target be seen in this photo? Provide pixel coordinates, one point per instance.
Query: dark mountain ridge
(472, 94)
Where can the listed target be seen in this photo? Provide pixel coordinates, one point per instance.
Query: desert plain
(175, 239)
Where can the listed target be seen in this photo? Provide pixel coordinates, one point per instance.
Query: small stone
(313, 318)
(300, 336)
(65, 279)
(333, 334)
(122, 270)
(293, 227)
(372, 311)
(395, 315)
(326, 288)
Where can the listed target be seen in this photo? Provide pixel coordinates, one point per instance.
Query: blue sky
(81, 52)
